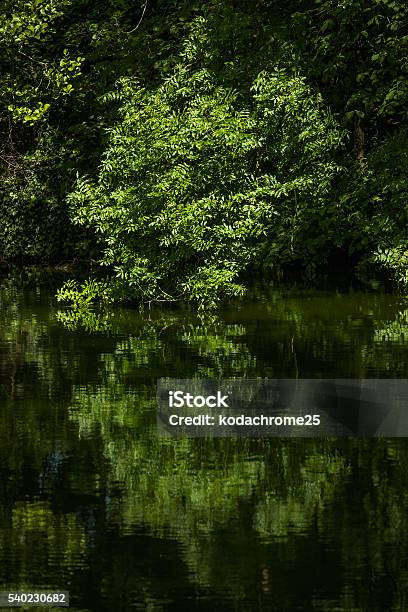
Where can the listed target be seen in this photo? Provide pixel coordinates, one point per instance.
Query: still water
(94, 502)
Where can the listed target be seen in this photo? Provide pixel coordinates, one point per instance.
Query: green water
(94, 502)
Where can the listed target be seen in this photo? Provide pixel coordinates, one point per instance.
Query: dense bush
(196, 186)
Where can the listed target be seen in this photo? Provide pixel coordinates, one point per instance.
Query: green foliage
(212, 139)
(358, 52)
(377, 204)
(54, 56)
(201, 182)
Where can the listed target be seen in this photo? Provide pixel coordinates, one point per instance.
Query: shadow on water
(93, 501)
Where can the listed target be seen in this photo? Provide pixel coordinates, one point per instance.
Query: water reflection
(95, 502)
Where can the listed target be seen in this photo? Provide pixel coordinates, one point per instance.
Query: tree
(205, 176)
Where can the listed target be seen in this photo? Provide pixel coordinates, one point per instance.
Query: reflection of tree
(41, 548)
(35, 350)
(319, 477)
(317, 334)
(293, 334)
(191, 489)
(196, 491)
(78, 433)
(395, 330)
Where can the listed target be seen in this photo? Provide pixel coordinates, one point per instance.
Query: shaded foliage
(56, 57)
